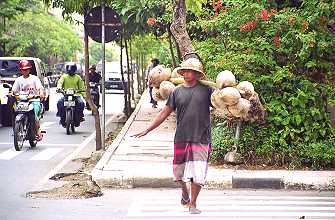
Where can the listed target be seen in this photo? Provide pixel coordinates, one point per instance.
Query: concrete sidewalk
(147, 161)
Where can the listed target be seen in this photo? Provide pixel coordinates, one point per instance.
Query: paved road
(21, 170)
(135, 204)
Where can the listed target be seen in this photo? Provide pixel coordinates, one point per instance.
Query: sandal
(185, 202)
(194, 210)
(39, 137)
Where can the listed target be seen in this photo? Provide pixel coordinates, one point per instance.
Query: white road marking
(67, 159)
(46, 125)
(47, 145)
(237, 206)
(46, 154)
(9, 154)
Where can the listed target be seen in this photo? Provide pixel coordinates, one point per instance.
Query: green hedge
(288, 54)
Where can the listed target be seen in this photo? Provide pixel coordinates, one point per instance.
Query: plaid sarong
(190, 162)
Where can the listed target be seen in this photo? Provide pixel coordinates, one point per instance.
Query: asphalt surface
(165, 204)
(20, 171)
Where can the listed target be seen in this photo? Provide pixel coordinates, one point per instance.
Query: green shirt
(72, 82)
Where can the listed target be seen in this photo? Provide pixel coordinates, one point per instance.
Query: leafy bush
(287, 51)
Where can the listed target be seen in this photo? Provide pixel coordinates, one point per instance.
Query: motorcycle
(24, 123)
(71, 118)
(94, 91)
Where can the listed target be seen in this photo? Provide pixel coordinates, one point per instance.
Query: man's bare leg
(185, 194)
(195, 190)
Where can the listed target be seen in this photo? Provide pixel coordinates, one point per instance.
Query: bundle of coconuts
(236, 101)
(164, 82)
(159, 78)
(231, 100)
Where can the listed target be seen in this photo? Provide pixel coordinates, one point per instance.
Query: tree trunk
(4, 43)
(143, 67)
(178, 30)
(125, 90)
(171, 50)
(139, 81)
(98, 143)
(132, 72)
(128, 77)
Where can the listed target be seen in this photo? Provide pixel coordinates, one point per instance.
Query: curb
(97, 171)
(257, 183)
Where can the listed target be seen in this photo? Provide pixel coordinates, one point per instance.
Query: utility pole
(103, 73)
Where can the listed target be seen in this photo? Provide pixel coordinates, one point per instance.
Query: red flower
(218, 5)
(265, 15)
(304, 26)
(291, 20)
(250, 25)
(276, 40)
(151, 21)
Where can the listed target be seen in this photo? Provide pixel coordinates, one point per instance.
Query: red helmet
(25, 64)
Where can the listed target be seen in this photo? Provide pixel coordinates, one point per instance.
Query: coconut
(159, 74)
(230, 96)
(257, 111)
(241, 109)
(156, 95)
(174, 73)
(246, 89)
(165, 74)
(225, 79)
(165, 88)
(223, 113)
(216, 99)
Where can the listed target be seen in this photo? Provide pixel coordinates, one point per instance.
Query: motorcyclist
(32, 84)
(71, 80)
(94, 77)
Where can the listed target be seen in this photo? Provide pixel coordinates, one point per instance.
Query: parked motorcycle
(94, 91)
(72, 119)
(24, 123)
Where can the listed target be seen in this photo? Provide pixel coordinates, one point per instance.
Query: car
(113, 78)
(60, 68)
(9, 71)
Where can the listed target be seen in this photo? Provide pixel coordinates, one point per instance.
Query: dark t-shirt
(191, 105)
(96, 77)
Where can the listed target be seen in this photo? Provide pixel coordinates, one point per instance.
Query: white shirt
(32, 84)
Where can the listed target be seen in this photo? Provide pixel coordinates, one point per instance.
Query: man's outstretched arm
(166, 111)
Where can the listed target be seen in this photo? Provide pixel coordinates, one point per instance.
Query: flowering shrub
(151, 21)
(287, 51)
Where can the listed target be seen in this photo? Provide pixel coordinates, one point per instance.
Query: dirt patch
(77, 185)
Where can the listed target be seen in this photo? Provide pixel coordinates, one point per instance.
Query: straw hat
(191, 64)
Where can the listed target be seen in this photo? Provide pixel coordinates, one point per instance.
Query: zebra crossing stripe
(46, 154)
(239, 206)
(9, 154)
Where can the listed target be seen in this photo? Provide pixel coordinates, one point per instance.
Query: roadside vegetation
(27, 29)
(285, 48)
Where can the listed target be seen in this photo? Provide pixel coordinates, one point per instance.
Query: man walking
(192, 141)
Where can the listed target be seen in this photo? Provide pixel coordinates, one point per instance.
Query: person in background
(71, 80)
(94, 77)
(154, 63)
(192, 142)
